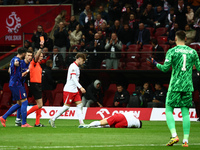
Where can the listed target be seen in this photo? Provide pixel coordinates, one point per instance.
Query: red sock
(38, 115)
(34, 108)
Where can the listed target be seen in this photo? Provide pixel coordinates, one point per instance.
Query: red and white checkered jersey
(72, 83)
(131, 120)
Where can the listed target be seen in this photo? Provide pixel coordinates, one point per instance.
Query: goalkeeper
(181, 58)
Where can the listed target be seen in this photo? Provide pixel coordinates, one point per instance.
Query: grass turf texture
(153, 136)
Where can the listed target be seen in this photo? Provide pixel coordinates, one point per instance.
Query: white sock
(185, 140)
(60, 112)
(79, 110)
(174, 134)
(95, 123)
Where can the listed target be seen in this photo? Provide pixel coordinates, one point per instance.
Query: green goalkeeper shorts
(179, 99)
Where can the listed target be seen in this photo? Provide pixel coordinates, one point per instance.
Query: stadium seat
(165, 47)
(160, 31)
(147, 46)
(162, 39)
(121, 64)
(103, 64)
(58, 95)
(132, 65)
(132, 57)
(151, 29)
(196, 47)
(131, 88)
(145, 66)
(166, 86)
(109, 95)
(6, 96)
(133, 47)
(144, 56)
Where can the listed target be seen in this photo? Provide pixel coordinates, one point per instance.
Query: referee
(36, 85)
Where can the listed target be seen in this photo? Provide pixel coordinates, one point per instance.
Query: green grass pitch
(153, 136)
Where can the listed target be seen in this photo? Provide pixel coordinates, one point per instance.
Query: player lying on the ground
(125, 120)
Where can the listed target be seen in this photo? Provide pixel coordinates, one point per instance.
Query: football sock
(79, 111)
(38, 115)
(186, 122)
(24, 111)
(11, 110)
(60, 112)
(170, 120)
(18, 114)
(34, 108)
(95, 123)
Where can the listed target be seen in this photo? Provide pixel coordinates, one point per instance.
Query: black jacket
(160, 17)
(126, 36)
(72, 25)
(58, 60)
(70, 59)
(94, 94)
(36, 38)
(122, 97)
(158, 56)
(195, 79)
(47, 80)
(160, 95)
(61, 38)
(145, 36)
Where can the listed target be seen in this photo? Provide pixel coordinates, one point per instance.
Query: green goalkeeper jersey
(181, 58)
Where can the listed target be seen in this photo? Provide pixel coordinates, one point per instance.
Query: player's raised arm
(167, 64)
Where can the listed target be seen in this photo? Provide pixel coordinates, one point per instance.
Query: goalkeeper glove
(151, 61)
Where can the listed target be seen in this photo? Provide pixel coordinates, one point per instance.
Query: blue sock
(18, 113)
(11, 110)
(24, 111)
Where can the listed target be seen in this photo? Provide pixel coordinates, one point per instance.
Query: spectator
(93, 95)
(103, 13)
(105, 30)
(116, 27)
(147, 16)
(130, 3)
(142, 35)
(170, 16)
(132, 22)
(89, 33)
(98, 22)
(171, 25)
(158, 51)
(122, 96)
(190, 15)
(126, 35)
(83, 15)
(102, 37)
(27, 44)
(190, 34)
(197, 36)
(46, 56)
(37, 36)
(89, 19)
(96, 58)
(197, 18)
(31, 49)
(1, 90)
(160, 17)
(61, 39)
(75, 36)
(114, 10)
(71, 57)
(49, 43)
(83, 46)
(72, 24)
(172, 33)
(48, 83)
(113, 46)
(194, 4)
(180, 11)
(60, 18)
(159, 96)
(146, 94)
(57, 59)
(126, 15)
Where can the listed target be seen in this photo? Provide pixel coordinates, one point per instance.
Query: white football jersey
(131, 120)
(72, 83)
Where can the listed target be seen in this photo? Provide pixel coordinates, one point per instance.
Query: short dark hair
(29, 51)
(49, 62)
(181, 35)
(154, 41)
(21, 50)
(80, 55)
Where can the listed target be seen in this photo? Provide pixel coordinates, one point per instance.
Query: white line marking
(89, 146)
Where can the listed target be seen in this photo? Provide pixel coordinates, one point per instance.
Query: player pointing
(70, 91)
(181, 58)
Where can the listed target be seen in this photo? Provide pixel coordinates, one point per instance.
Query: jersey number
(184, 62)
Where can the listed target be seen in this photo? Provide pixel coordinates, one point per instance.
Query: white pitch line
(89, 146)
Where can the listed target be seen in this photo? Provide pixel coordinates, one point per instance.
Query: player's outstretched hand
(83, 90)
(151, 61)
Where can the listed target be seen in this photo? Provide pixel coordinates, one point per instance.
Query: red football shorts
(69, 98)
(117, 121)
